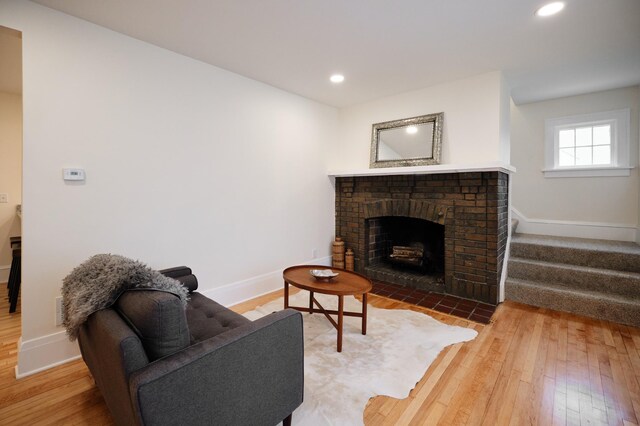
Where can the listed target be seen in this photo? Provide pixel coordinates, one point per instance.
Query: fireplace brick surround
(472, 206)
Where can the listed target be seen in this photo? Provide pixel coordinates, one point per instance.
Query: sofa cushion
(182, 274)
(158, 318)
(189, 281)
(207, 318)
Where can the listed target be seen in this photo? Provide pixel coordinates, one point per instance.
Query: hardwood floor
(529, 366)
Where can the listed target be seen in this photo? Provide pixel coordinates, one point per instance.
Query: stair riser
(600, 308)
(575, 279)
(575, 256)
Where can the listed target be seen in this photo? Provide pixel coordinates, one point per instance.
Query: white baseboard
(241, 291)
(503, 276)
(49, 351)
(507, 249)
(4, 273)
(560, 228)
(45, 352)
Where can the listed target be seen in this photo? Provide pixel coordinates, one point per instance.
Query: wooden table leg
(310, 303)
(364, 313)
(286, 295)
(340, 321)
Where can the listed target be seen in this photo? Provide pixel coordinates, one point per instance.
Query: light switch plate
(4, 198)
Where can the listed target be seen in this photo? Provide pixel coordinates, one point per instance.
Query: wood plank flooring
(529, 366)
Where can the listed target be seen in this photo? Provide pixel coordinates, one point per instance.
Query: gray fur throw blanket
(99, 281)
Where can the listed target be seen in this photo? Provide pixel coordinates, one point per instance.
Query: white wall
(473, 131)
(186, 164)
(505, 121)
(10, 174)
(595, 207)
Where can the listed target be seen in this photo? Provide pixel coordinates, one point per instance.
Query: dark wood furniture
(15, 273)
(347, 283)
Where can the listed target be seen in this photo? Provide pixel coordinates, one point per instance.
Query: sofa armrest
(251, 375)
(112, 351)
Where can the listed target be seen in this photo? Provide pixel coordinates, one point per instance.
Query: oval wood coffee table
(347, 283)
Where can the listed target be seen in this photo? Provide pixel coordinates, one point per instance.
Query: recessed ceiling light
(337, 78)
(550, 9)
(412, 129)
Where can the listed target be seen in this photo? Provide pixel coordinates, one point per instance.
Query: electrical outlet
(314, 253)
(4, 198)
(59, 311)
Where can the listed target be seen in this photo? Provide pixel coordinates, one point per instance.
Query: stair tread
(591, 269)
(563, 289)
(626, 247)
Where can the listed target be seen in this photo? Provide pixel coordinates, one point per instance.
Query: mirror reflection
(408, 142)
(403, 143)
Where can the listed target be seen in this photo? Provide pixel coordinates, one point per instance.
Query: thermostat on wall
(73, 174)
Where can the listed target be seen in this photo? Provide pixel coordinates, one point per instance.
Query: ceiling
(387, 47)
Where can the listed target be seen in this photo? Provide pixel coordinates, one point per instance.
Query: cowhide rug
(393, 356)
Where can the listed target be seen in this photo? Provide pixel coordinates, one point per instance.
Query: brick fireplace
(459, 219)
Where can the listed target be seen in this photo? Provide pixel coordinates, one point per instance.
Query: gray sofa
(159, 364)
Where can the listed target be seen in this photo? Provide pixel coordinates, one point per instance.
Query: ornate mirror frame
(435, 139)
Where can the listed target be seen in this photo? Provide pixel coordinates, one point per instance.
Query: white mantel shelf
(426, 170)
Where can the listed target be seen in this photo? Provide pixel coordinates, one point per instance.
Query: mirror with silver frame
(413, 141)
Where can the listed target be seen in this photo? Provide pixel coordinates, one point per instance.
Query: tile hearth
(445, 303)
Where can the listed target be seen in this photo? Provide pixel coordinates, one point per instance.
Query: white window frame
(619, 121)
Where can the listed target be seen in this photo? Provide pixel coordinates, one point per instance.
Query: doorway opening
(10, 185)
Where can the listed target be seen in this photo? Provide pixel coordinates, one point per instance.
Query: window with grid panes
(588, 145)
(584, 146)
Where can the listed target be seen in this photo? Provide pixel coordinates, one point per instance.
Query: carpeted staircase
(595, 278)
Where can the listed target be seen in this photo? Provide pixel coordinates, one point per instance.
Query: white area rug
(393, 356)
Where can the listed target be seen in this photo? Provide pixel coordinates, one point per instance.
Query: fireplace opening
(406, 251)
